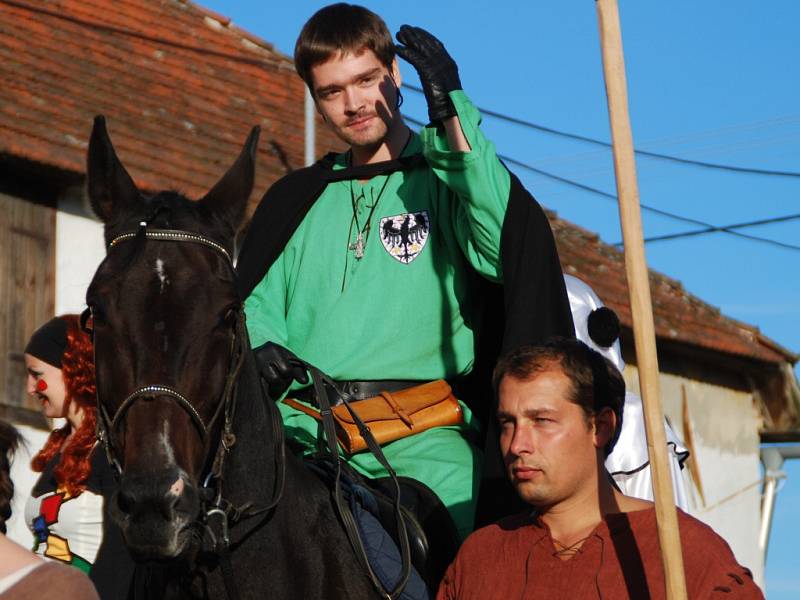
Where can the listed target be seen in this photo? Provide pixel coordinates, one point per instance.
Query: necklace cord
(362, 233)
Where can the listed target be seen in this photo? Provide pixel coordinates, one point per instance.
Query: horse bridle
(107, 424)
(214, 505)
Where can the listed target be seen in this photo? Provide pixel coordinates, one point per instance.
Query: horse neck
(250, 468)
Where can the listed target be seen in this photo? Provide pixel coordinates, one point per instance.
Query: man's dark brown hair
(596, 382)
(341, 27)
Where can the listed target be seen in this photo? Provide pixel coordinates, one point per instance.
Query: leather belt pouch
(391, 416)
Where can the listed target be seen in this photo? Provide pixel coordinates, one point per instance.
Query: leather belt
(359, 390)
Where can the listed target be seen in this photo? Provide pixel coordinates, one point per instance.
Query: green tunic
(403, 310)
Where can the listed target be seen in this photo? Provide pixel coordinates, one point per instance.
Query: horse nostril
(169, 506)
(154, 496)
(125, 500)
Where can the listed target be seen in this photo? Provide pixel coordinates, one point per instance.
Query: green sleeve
(480, 183)
(265, 307)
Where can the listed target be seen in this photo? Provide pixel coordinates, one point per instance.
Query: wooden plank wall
(27, 288)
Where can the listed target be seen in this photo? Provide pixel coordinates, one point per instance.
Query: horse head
(165, 317)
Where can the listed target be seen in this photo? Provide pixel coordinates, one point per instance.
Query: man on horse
(373, 264)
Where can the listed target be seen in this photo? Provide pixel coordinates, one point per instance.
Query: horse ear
(228, 198)
(110, 186)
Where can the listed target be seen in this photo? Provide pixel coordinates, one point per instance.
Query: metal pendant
(358, 247)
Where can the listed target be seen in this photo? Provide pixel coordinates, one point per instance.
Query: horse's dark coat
(163, 314)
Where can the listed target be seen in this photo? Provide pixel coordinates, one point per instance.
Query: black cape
(529, 307)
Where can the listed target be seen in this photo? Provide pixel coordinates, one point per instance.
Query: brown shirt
(52, 580)
(516, 558)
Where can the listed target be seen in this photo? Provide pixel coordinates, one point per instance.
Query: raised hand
(437, 70)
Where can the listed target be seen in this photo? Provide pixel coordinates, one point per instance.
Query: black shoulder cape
(529, 307)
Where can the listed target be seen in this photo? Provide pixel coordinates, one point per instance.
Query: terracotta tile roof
(181, 87)
(678, 315)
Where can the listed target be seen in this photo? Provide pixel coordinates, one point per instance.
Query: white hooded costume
(629, 463)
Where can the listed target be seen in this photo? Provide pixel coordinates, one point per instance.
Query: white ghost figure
(628, 463)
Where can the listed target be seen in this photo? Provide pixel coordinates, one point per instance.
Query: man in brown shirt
(560, 408)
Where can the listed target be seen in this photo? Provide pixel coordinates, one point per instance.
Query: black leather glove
(438, 72)
(279, 367)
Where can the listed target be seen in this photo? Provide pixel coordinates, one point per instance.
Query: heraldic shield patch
(404, 236)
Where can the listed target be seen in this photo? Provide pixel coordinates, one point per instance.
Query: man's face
(549, 448)
(356, 96)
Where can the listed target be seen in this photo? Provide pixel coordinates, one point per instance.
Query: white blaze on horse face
(175, 541)
(169, 454)
(162, 274)
(176, 489)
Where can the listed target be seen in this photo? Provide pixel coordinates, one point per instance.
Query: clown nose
(41, 385)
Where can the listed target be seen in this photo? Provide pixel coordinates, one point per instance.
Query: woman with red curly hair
(65, 510)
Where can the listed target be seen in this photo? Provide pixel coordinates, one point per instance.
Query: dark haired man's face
(549, 447)
(356, 96)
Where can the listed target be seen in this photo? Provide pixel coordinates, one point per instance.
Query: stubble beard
(537, 495)
(367, 139)
(540, 493)
(372, 138)
(547, 493)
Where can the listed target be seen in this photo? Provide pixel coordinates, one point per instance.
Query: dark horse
(181, 410)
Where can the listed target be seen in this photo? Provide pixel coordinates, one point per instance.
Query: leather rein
(214, 507)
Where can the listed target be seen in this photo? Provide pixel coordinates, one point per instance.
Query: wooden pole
(639, 287)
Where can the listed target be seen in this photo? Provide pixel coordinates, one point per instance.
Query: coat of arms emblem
(404, 236)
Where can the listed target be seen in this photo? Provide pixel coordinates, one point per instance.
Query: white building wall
(79, 250)
(725, 425)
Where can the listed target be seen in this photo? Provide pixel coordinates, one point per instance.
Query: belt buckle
(351, 389)
(334, 397)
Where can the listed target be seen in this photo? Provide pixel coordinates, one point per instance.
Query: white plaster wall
(79, 250)
(725, 426)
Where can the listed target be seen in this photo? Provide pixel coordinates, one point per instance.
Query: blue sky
(713, 81)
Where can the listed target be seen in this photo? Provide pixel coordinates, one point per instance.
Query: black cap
(49, 342)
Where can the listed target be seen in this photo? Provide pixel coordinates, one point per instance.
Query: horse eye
(87, 321)
(98, 315)
(230, 315)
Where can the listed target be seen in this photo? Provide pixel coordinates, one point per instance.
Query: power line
(656, 155)
(587, 188)
(684, 234)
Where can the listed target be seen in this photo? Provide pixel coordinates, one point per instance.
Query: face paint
(41, 385)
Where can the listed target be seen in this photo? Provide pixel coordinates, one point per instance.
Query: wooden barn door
(27, 295)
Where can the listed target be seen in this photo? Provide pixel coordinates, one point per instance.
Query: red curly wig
(77, 369)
